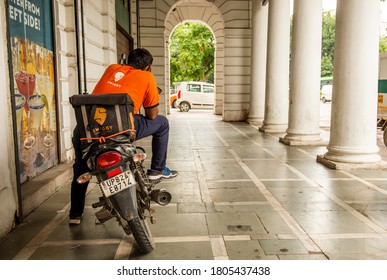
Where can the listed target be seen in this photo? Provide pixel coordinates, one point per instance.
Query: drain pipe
(83, 50)
(138, 23)
(77, 35)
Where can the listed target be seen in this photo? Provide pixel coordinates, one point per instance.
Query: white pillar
(355, 86)
(277, 73)
(305, 70)
(258, 60)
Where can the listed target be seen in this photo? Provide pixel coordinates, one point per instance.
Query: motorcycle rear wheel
(142, 235)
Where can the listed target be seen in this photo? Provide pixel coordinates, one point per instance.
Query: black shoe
(74, 221)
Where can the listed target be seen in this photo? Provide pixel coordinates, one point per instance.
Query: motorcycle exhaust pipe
(161, 197)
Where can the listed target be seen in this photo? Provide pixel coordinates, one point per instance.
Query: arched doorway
(208, 14)
(191, 65)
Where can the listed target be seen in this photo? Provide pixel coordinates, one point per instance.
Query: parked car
(172, 100)
(195, 95)
(326, 93)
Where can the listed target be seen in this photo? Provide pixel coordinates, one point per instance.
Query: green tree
(192, 53)
(383, 44)
(328, 41)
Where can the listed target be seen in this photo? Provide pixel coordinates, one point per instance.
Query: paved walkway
(240, 195)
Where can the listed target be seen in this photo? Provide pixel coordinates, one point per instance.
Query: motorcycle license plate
(117, 183)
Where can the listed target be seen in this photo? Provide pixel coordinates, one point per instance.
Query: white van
(194, 95)
(326, 93)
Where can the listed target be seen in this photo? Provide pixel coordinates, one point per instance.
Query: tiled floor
(240, 194)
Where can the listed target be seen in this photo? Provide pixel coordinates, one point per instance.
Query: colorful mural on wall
(31, 40)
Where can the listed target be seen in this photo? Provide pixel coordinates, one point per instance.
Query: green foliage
(192, 53)
(383, 44)
(328, 41)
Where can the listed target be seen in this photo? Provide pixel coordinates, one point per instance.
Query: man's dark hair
(140, 58)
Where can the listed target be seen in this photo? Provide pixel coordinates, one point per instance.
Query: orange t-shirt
(138, 84)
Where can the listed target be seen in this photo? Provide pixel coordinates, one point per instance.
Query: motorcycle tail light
(114, 172)
(179, 94)
(109, 159)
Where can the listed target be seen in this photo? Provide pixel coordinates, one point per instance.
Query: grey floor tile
(84, 252)
(89, 228)
(380, 173)
(168, 209)
(246, 183)
(237, 194)
(191, 207)
(318, 257)
(57, 202)
(183, 177)
(246, 250)
(270, 169)
(379, 183)
(177, 142)
(363, 207)
(227, 170)
(315, 206)
(353, 190)
(214, 153)
(178, 251)
(239, 223)
(378, 217)
(182, 191)
(330, 222)
(243, 207)
(180, 166)
(361, 256)
(247, 152)
(295, 183)
(309, 168)
(180, 153)
(359, 246)
(192, 224)
(274, 223)
(236, 144)
(298, 195)
(283, 247)
(287, 153)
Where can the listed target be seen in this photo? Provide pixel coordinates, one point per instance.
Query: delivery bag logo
(100, 116)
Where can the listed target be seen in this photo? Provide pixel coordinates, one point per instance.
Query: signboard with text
(32, 49)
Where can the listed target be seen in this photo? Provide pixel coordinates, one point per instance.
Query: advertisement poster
(31, 39)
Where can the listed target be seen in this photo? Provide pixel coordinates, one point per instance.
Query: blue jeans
(158, 128)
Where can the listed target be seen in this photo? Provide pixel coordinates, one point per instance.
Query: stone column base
(255, 121)
(350, 166)
(273, 128)
(303, 142)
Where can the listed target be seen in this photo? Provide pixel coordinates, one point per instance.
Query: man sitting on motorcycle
(137, 80)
